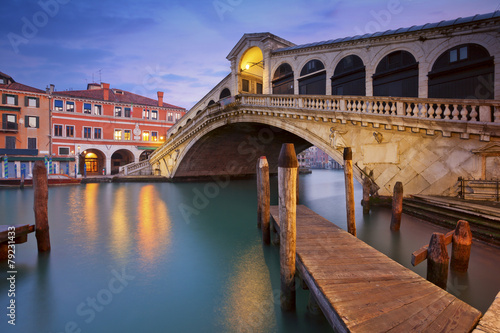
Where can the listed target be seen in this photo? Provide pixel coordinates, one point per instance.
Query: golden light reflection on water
(154, 225)
(249, 302)
(120, 231)
(83, 215)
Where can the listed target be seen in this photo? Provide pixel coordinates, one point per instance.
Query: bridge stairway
(484, 218)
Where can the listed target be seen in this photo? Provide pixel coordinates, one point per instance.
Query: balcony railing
(8, 127)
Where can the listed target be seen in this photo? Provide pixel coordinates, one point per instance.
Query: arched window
(396, 75)
(312, 79)
(464, 71)
(211, 102)
(349, 77)
(283, 80)
(225, 93)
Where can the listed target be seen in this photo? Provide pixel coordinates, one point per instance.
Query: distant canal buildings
(96, 130)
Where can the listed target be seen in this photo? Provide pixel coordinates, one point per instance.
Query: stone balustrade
(134, 167)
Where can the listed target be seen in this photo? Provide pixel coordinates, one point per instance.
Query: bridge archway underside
(396, 142)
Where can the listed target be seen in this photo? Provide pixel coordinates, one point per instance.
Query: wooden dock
(360, 289)
(21, 236)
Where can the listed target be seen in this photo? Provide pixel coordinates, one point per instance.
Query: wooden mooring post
(461, 246)
(367, 183)
(349, 191)
(437, 261)
(287, 177)
(40, 202)
(263, 196)
(397, 206)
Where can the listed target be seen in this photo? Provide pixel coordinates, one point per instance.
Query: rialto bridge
(418, 105)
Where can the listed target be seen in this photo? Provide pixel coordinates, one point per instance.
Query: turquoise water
(186, 257)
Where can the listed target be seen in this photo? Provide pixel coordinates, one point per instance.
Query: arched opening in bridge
(349, 77)
(251, 71)
(211, 102)
(312, 79)
(283, 80)
(463, 71)
(396, 75)
(119, 158)
(145, 155)
(225, 93)
(93, 161)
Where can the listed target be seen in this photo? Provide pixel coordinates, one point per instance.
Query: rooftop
(427, 26)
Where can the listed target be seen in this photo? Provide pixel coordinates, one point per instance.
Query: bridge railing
(462, 110)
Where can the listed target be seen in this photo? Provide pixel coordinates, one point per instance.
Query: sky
(180, 46)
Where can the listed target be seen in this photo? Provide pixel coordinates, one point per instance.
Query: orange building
(24, 127)
(105, 128)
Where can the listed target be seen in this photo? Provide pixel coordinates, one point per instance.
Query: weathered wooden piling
(397, 206)
(461, 246)
(21, 185)
(366, 195)
(287, 177)
(437, 260)
(40, 202)
(264, 197)
(349, 191)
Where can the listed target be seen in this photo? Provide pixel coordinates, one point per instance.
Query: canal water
(187, 257)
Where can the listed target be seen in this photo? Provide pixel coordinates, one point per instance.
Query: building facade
(105, 128)
(315, 158)
(25, 127)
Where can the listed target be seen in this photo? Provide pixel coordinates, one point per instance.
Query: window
(145, 136)
(145, 114)
(9, 99)
(70, 106)
(154, 136)
(58, 130)
(177, 117)
(170, 117)
(9, 121)
(127, 135)
(97, 110)
(127, 112)
(259, 88)
(154, 115)
(31, 143)
(458, 54)
(97, 133)
(118, 134)
(118, 111)
(87, 132)
(63, 151)
(58, 105)
(463, 53)
(87, 108)
(10, 142)
(245, 85)
(32, 102)
(70, 131)
(31, 122)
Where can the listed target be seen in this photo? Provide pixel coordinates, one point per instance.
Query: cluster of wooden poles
(435, 252)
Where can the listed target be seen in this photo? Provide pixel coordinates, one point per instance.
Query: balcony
(8, 127)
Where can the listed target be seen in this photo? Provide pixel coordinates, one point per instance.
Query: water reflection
(154, 225)
(120, 233)
(83, 212)
(248, 301)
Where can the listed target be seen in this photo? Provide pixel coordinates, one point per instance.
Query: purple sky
(180, 47)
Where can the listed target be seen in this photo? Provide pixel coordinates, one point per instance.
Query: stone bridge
(424, 143)
(420, 105)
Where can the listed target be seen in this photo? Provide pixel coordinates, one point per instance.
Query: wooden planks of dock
(359, 289)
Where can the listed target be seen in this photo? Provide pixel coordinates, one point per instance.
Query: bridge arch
(396, 75)
(225, 93)
(240, 142)
(349, 76)
(251, 71)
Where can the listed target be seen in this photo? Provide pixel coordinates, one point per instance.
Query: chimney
(50, 90)
(160, 98)
(105, 87)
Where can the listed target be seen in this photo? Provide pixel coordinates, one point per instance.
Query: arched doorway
(349, 77)
(92, 161)
(145, 155)
(119, 158)
(464, 71)
(225, 93)
(283, 80)
(312, 79)
(251, 72)
(396, 75)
